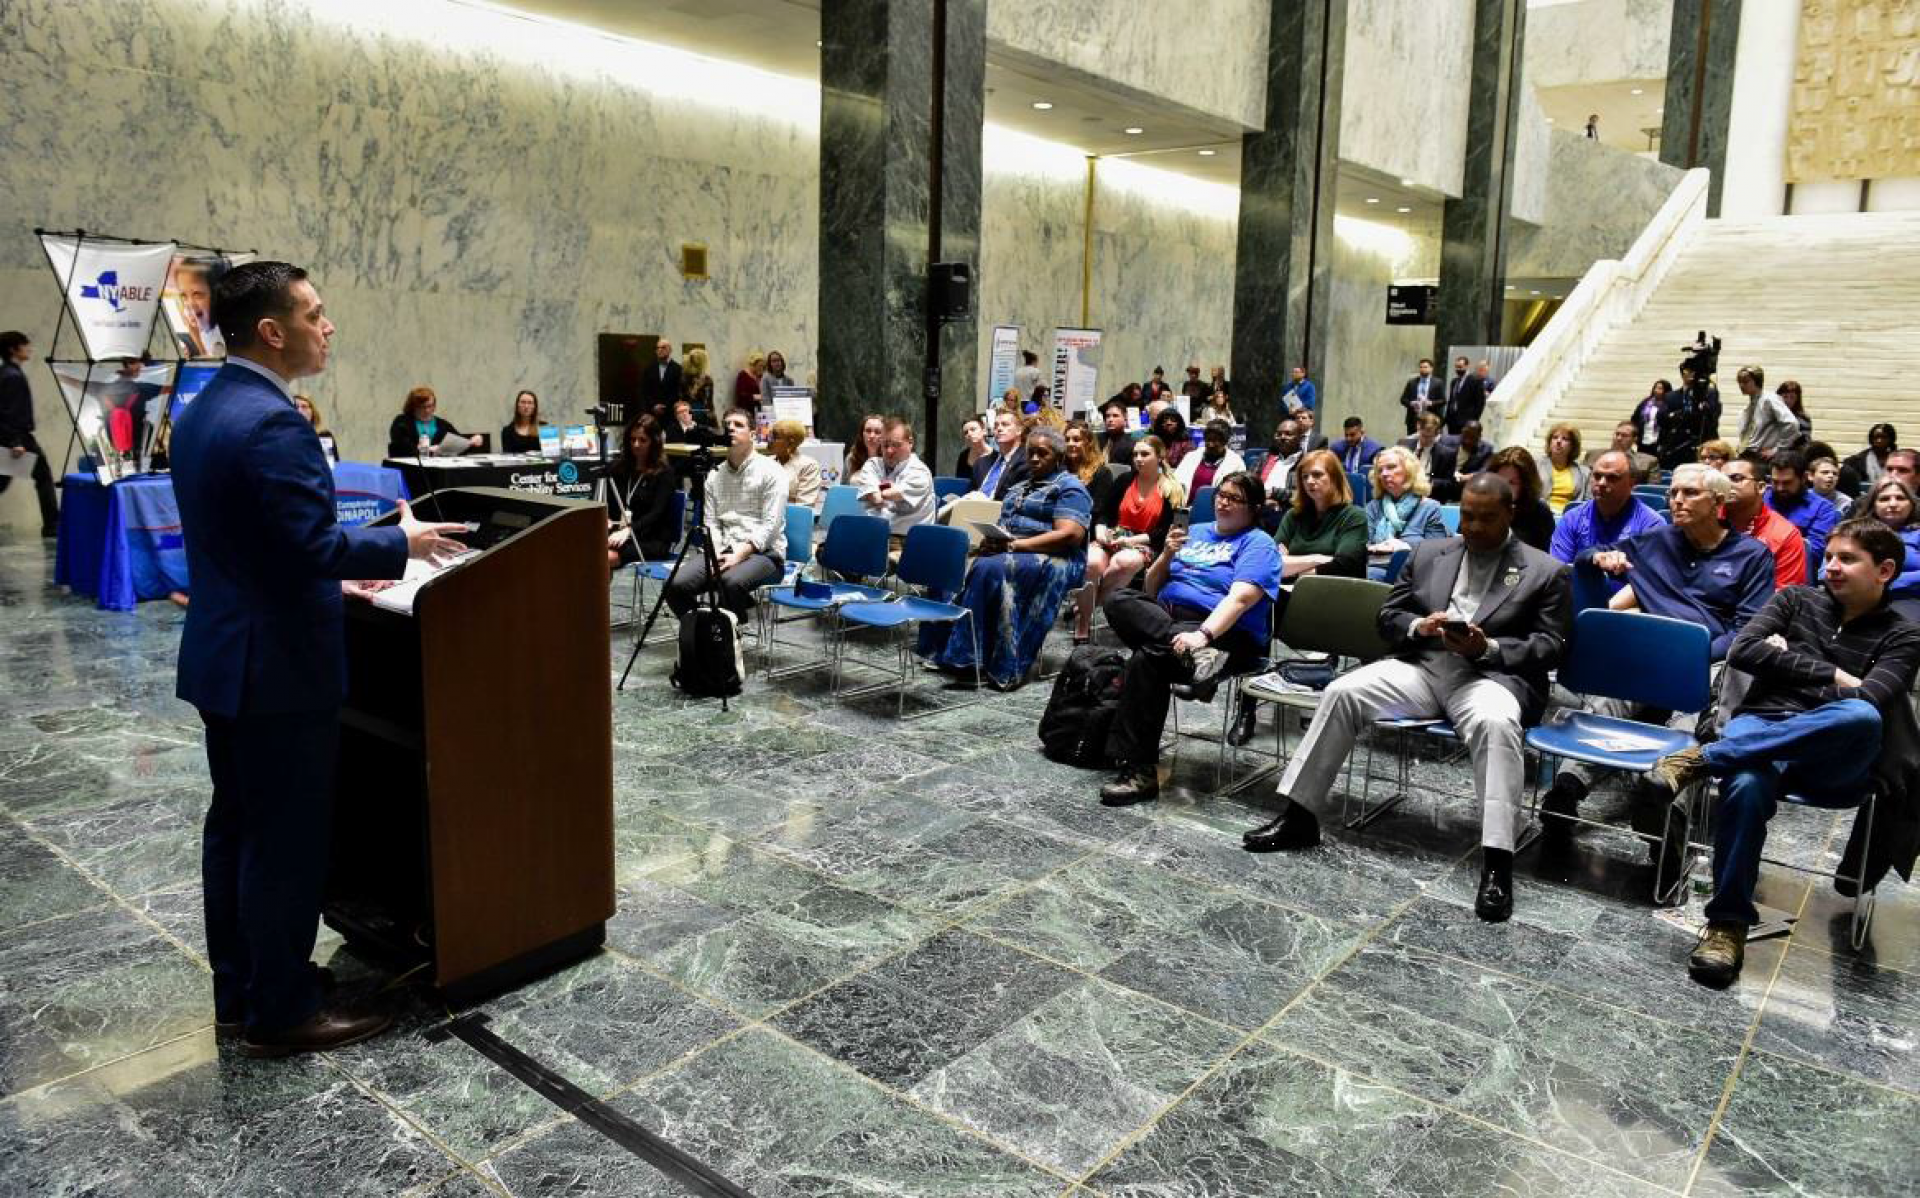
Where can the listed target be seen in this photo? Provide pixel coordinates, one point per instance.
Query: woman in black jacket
(640, 489)
(416, 430)
(522, 433)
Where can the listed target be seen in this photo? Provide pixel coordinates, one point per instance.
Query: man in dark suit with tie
(1474, 623)
(1423, 393)
(1357, 450)
(1455, 459)
(262, 656)
(660, 383)
(1466, 396)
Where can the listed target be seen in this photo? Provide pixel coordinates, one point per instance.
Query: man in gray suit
(1475, 621)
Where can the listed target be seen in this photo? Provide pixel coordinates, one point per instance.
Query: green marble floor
(857, 957)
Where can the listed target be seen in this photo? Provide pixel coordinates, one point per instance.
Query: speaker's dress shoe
(226, 1029)
(328, 1028)
(1294, 828)
(1136, 784)
(1493, 902)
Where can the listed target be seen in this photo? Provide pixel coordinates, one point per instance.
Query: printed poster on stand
(186, 301)
(1076, 370)
(1002, 360)
(112, 290)
(115, 407)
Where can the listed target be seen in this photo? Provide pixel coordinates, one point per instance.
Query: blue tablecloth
(121, 544)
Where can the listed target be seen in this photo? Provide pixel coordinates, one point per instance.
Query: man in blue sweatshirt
(1695, 570)
(1612, 514)
(1793, 498)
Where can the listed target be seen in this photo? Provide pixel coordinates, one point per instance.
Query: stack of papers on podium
(400, 596)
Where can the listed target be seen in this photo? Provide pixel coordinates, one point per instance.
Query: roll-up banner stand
(111, 289)
(1002, 360)
(115, 407)
(1076, 370)
(186, 301)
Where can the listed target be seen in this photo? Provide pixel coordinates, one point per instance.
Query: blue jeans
(1825, 756)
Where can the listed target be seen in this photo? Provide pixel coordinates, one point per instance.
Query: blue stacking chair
(1397, 563)
(933, 559)
(856, 547)
(1653, 497)
(1450, 516)
(1667, 664)
(656, 573)
(1202, 501)
(841, 501)
(945, 488)
(1362, 486)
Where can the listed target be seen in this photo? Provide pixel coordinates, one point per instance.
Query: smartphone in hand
(1182, 517)
(1456, 627)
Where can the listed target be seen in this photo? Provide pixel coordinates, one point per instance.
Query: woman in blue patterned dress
(1015, 588)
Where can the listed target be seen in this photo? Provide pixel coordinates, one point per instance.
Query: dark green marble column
(1699, 96)
(877, 194)
(1283, 264)
(1473, 228)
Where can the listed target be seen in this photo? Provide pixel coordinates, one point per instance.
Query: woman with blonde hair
(696, 385)
(1323, 532)
(1086, 461)
(1563, 476)
(803, 473)
(746, 384)
(1716, 453)
(1400, 515)
(1130, 527)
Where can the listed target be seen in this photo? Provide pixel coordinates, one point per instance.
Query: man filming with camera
(746, 517)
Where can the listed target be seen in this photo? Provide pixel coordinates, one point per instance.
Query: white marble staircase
(1831, 301)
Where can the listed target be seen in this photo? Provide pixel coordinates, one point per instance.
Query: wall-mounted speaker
(950, 290)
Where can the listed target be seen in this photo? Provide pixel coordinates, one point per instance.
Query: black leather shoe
(229, 1029)
(1137, 784)
(1494, 900)
(1243, 723)
(1295, 828)
(328, 1028)
(1558, 805)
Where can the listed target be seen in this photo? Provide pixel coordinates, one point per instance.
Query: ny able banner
(1076, 370)
(112, 290)
(1002, 360)
(187, 301)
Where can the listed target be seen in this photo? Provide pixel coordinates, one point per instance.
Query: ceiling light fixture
(1373, 199)
(1208, 153)
(1042, 105)
(1403, 209)
(1639, 91)
(1133, 129)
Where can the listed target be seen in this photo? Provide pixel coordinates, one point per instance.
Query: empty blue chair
(841, 501)
(950, 488)
(1653, 497)
(1254, 458)
(1202, 501)
(1450, 516)
(656, 572)
(933, 559)
(856, 547)
(1362, 487)
(1397, 563)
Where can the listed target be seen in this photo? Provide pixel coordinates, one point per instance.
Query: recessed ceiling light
(1403, 209)
(1373, 199)
(817, 42)
(1042, 105)
(1532, 292)
(1406, 183)
(1130, 129)
(1510, 287)
(1639, 91)
(1208, 153)
(1549, 120)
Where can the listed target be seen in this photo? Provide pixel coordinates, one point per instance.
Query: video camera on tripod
(1703, 356)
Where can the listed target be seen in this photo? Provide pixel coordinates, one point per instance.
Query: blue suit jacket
(1369, 449)
(265, 552)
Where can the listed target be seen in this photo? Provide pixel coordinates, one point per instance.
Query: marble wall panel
(1368, 359)
(1597, 41)
(1408, 72)
(1213, 61)
(1531, 159)
(1599, 199)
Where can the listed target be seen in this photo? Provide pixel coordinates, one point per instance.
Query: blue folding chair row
(855, 548)
(934, 559)
(1201, 506)
(945, 488)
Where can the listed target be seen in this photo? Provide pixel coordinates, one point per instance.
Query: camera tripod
(701, 463)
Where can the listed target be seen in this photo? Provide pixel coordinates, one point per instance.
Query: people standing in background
(1861, 470)
(974, 446)
(1563, 476)
(803, 473)
(1195, 388)
(1789, 393)
(1027, 376)
(1593, 126)
(418, 430)
(1423, 393)
(660, 382)
(1469, 400)
(696, 384)
(746, 384)
(1300, 391)
(1768, 425)
(873, 434)
(1646, 418)
(1157, 387)
(1532, 518)
(1217, 381)
(775, 376)
(640, 491)
(522, 433)
(17, 425)
(1704, 406)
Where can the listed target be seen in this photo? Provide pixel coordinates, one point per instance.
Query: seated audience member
(1116, 440)
(1861, 470)
(746, 518)
(1425, 439)
(1195, 388)
(417, 431)
(1892, 502)
(1563, 478)
(746, 384)
(1130, 527)
(1357, 450)
(1646, 418)
(1086, 462)
(975, 445)
(1694, 570)
(1796, 401)
(1310, 438)
(311, 411)
(1214, 460)
(522, 433)
(1300, 392)
(1716, 453)
(1128, 396)
(1279, 471)
(1902, 464)
(866, 447)
(1612, 514)
(804, 486)
(1400, 515)
(1489, 678)
(1157, 387)
(1456, 457)
(1171, 428)
(689, 429)
(301, 403)
(1792, 496)
(1206, 606)
(1323, 532)
(1641, 464)
(1828, 665)
(640, 489)
(1218, 406)
(1015, 587)
(1532, 518)
(897, 484)
(1746, 512)
(996, 474)
(1823, 476)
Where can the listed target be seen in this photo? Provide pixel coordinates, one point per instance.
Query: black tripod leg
(640, 642)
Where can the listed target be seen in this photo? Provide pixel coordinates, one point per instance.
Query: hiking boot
(1716, 960)
(1136, 784)
(1207, 664)
(1677, 771)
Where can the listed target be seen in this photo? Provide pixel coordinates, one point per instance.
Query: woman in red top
(1129, 528)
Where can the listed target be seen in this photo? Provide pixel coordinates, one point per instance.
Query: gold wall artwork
(1856, 92)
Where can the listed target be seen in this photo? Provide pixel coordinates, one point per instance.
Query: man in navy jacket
(262, 655)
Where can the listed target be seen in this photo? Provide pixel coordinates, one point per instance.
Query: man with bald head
(1611, 513)
(1475, 622)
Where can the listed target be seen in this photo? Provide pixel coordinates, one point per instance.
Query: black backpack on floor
(1080, 712)
(709, 666)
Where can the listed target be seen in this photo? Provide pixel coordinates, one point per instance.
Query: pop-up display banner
(112, 290)
(113, 404)
(1002, 360)
(1076, 370)
(186, 301)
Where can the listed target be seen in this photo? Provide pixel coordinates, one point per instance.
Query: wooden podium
(473, 824)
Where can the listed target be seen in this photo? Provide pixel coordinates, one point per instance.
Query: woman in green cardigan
(1323, 532)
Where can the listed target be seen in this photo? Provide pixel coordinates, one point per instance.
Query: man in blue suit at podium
(263, 659)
